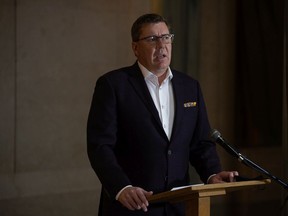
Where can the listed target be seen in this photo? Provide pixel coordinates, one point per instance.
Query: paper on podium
(186, 186)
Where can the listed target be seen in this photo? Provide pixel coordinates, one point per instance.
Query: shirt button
(169, 152)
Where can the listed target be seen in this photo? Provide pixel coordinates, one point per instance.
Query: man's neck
(162, 77)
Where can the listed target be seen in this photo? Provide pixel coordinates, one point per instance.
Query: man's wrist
(210, 178)
(118, 194)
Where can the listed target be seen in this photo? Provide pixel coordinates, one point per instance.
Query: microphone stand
(216, 137)
(249, 163)
(256, 167)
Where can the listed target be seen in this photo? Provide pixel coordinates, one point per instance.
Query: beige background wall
(51, 53)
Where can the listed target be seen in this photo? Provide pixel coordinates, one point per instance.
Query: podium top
(207, 190)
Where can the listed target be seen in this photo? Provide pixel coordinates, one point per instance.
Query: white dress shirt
(162, 96)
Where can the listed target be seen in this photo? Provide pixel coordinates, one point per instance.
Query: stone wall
(51, 53)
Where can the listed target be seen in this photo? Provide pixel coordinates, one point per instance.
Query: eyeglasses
(165, 38)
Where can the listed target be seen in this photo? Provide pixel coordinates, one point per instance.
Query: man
(146, 123)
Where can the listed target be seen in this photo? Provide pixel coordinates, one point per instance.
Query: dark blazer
(128, 146)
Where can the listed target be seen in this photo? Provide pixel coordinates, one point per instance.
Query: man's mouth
(161, 56)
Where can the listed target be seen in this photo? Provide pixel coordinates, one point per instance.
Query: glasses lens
(166, 38)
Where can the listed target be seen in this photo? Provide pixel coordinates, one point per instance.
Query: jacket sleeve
(102, 138)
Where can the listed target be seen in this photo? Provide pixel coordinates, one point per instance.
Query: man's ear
(135, 48)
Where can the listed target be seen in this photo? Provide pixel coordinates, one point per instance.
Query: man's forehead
(153, 28)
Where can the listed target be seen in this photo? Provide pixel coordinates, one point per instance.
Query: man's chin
(162, 64)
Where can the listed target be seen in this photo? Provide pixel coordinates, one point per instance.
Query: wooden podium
(197, 197)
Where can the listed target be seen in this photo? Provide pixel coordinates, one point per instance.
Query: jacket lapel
(179, 93)
(137, 81)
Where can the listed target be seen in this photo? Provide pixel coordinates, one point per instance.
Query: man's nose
(160, 42)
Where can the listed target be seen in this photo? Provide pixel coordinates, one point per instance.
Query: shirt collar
(147, 74)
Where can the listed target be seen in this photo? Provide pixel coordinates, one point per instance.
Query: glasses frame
(155, 38)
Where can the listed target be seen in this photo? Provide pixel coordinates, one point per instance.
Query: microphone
(216, 137)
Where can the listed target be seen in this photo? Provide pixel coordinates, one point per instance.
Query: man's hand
(134, 198)
(223, 176)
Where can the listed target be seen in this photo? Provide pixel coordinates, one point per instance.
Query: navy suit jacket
(127, 144)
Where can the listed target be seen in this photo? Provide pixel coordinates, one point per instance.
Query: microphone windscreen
(215, 134)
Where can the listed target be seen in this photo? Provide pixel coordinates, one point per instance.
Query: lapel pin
(190, 104)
